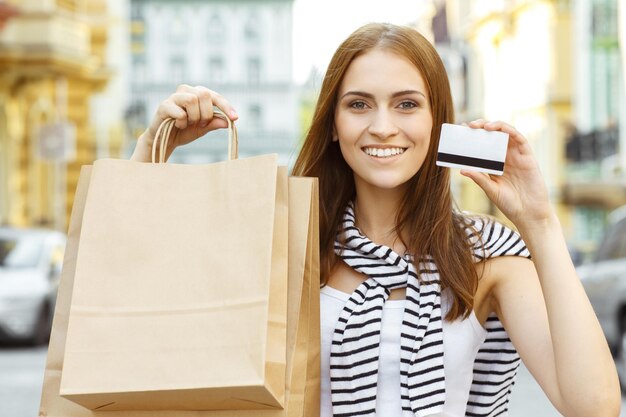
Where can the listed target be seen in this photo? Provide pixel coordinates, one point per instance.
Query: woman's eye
(358, 105)
(406, 105)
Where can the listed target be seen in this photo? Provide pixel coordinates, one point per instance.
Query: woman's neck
(375, 213)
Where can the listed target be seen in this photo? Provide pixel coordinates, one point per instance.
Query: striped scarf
(356, 340)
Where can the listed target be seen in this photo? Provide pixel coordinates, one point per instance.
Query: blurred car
(604, 280)
(576, 254)
(30, 269)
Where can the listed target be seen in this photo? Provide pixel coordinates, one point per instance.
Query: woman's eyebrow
(394, 95)
(358, 93)
(407, 92)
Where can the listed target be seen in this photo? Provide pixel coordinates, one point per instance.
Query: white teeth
(383, 153)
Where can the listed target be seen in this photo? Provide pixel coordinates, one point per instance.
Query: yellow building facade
(52, 61)
(519, 71)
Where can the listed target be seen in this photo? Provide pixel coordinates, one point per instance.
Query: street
(21, 374)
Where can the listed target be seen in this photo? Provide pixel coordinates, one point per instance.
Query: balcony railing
(39, 33)
(593, 174)
(592, 146)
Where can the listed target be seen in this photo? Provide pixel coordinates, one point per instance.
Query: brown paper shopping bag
(180, 288)
(303, 337)
(302, 385)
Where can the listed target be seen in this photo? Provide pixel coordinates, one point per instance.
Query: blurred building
(434, 24)
(53, 65)
(512, 60)
(239, 48)
(596, 141)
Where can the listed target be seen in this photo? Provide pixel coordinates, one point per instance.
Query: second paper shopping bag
(180, 289)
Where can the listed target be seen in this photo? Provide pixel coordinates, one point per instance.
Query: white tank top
(461, 340)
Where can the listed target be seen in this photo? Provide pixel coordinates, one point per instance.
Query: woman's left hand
(520, 193)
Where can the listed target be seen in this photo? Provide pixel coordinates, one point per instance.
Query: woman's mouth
(383, 152)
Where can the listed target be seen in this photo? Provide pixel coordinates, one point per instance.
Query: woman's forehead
(382, 71)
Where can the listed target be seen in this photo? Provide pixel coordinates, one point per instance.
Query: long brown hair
(426, 215)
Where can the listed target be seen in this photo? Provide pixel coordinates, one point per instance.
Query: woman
(409, 283)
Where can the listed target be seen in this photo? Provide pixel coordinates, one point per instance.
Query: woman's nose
(382, 125)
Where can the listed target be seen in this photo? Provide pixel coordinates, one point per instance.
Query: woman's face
(383, 119)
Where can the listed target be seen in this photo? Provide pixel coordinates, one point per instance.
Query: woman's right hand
(192, 108)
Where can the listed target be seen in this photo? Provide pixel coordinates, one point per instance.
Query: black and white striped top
(497, 361)
(356, 339)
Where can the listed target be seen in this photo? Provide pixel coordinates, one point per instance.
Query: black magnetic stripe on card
(468, 160)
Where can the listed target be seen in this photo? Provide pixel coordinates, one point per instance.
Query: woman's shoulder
(490, 238)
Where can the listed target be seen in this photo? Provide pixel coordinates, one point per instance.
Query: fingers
(196, 104)
(190, 104)
(499, 126)
(205, 104)
(224, 105)
(207, 99)
(169, 108)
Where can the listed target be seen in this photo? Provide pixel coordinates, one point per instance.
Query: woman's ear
(335, 136)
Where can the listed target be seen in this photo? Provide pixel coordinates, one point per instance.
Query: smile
(383, 153)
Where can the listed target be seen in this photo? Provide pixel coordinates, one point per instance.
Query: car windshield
(23, 252)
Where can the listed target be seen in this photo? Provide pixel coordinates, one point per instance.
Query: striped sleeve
(497, 361)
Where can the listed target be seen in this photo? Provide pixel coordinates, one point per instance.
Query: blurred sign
(57, 142)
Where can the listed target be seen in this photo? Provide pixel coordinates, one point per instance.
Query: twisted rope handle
(165, 129)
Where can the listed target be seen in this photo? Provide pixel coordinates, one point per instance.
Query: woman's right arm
(192, 108)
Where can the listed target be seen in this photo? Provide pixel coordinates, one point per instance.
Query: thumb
(215, 123)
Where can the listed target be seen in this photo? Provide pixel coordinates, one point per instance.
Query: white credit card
(472, 149)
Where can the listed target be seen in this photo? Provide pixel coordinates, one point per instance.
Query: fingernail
(233, 114)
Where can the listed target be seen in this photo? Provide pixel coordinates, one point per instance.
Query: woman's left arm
(551, 313)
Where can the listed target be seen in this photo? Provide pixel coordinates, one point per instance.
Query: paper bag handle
(165, 129)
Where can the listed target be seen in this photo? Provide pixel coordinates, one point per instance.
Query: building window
(178, 70)
(139, 70)
(604, 20)
(256, 116)
(136, 12)
(216, 29)
(135, 119)
(252, 30)
(177, 29)
(216, 69)
(605, 63)
(254, 70)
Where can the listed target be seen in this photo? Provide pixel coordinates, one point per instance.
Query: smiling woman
(386, 89)
(426, 310)
(375, 96)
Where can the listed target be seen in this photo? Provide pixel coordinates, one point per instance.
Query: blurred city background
(80, 80)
